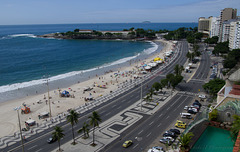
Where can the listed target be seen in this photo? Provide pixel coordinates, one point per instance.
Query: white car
(156, 149)
(202, 96)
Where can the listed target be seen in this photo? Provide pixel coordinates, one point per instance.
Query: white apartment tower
(234, 35)
(214, 26)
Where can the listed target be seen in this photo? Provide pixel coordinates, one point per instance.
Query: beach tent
(26, 110)
(65, 94)
(30, 122)
(157, 59)
(147, 67)
(152, 64)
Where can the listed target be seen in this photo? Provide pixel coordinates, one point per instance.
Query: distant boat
(146, 22)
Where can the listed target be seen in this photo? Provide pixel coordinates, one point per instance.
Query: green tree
(213, 86)
(94, 121)
(85, 130)
(235, 127)
(76, 30)
(58, 134)
(221, 47)
(190, 56)
(213, 115)
(178, 69)
(185, 140)
(164, 82)
(157, 86)
(72, 118)
(151, 93)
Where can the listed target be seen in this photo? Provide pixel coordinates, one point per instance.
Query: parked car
(197, 103)
(180, 124)
(191, 111)
(127, 143)
(169, 134)
(202, 96)
(156, 149)
(167, 140)
(186, 115)
(176, 131)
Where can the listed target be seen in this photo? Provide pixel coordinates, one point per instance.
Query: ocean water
(25, 59)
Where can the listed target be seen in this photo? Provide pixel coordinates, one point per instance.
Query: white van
(186, 115)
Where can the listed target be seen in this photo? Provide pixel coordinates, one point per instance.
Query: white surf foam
(152, 49)
(69, 74)
(23, 35)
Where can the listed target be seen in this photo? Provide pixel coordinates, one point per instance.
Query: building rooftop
(235, 90)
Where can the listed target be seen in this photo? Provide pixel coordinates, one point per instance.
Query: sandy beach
(9, 120)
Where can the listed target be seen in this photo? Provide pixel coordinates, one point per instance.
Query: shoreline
(37, 86)
(60, 105)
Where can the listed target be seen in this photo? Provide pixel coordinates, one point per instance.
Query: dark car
(51, 140)
(196, 103)
(176, 131)
(169, 134)
(191, 111)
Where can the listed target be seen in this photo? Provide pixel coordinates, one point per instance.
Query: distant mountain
(146, 22)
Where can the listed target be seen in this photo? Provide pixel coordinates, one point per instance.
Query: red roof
(235, 90)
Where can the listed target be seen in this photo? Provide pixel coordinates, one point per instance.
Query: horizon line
(94, 23)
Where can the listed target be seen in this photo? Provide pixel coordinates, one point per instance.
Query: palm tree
(94, 121)
(235, 127)
(178, 69)
(73, 119)
(85, 130)
(151, 93)
(185, 140)
(148, 98)
(58, 134)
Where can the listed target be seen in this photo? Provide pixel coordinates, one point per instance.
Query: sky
(17, 12)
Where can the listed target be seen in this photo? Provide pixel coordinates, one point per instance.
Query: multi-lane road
(148, 128)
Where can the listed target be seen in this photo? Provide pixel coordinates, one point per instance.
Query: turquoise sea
(26, 59)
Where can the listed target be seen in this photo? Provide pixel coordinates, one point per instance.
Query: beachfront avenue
(134, 123)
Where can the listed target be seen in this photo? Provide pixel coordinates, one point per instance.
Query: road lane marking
(135, 146)
(102, 112)
(107, 114)
(167, 108)
(119, 107)
(193, 73)
(140, 132)
(167, 117)
(159, 125)
(123, 100)
(131, 96)
(151, 123)
(149, 134)
(38, 150)
(32, 147)
(129, 101)
(114, 106)
(159, 115)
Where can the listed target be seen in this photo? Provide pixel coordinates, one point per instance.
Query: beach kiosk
(30, 122)
(43, 115)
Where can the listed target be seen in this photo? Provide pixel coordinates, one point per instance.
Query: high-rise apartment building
(204, 25)
(234, 36)
(226, 14)
(214, 26)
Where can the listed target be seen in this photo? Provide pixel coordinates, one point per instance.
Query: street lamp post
(49, 103)
(17, 109)
(141, 96)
